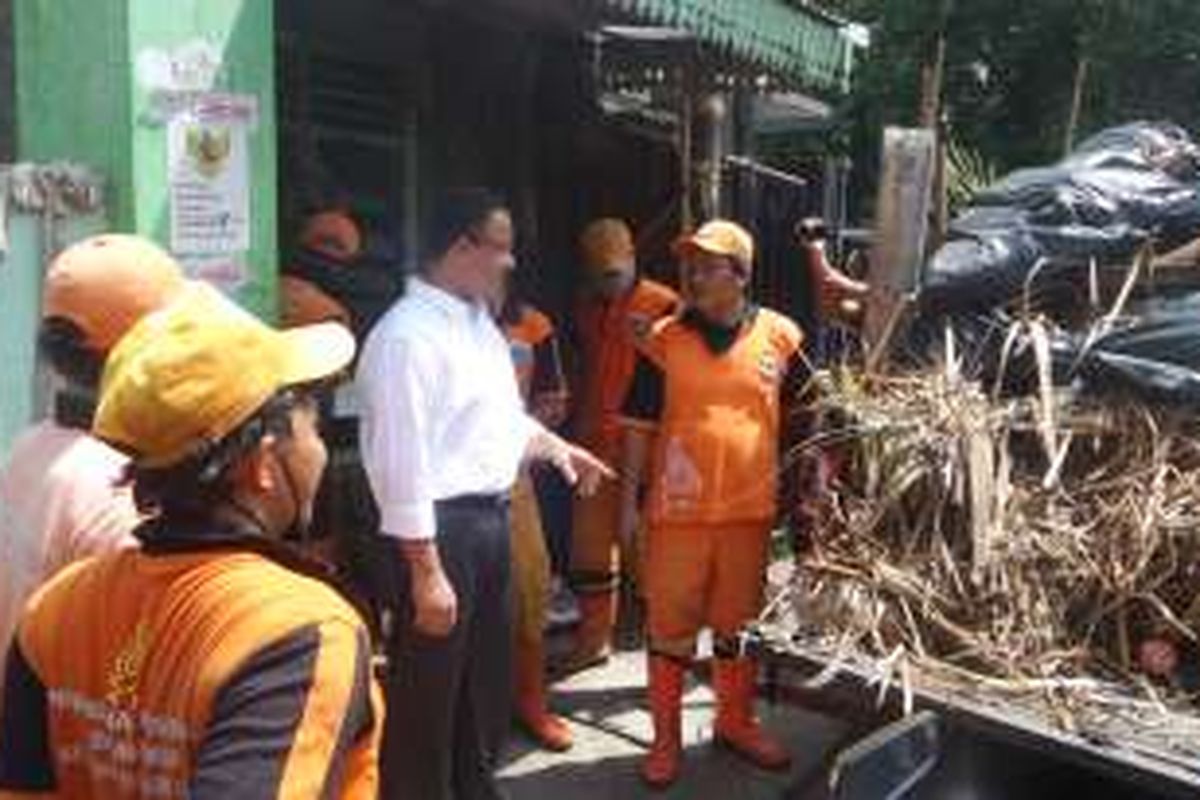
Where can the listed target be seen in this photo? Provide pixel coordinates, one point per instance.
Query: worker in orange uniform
(335, 237)
(616, 310)
(213, 661)
(710, 407)
(60, 498)
(334, 275)
(540, 378)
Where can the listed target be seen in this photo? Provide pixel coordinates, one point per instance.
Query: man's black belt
(498, 501)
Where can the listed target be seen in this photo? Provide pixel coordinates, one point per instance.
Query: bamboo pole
(1081, 76)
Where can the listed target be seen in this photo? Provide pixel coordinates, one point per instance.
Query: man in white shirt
(443, 434)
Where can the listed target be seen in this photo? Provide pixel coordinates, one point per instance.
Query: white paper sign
(209, 174)
(227, 273)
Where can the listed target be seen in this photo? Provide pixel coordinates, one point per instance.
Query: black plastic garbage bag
(1119, 189)
(981, 339)
(1154, 359)
(1161, 146)
(979, 272)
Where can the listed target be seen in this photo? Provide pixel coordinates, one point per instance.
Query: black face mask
(74, 407)
(612, 284)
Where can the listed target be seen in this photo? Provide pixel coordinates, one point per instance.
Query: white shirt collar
(449, 304)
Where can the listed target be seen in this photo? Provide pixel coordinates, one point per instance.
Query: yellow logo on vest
(769, 366)
(125, 673)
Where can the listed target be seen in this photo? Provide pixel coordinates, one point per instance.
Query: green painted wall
(21, 402)
(72, 86)
(17, 324)
(242, 32)
(82, 96)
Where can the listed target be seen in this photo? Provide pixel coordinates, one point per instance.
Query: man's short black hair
(456, 213)
(64, 345)
(196, 485)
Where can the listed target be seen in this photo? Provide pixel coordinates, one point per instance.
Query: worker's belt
(475, 502)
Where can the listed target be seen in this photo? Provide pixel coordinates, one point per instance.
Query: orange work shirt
(531, 329)
(609, 332)
(144, 663)
(715, 457)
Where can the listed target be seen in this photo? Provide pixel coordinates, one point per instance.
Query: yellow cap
(190, 374)
(607, 243)
(720, 237)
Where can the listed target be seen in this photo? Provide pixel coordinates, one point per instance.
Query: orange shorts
(701, 576)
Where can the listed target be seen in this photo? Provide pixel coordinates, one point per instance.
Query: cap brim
(690, 245)
(313, 353)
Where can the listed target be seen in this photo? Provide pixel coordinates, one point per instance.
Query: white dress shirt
(441, 413)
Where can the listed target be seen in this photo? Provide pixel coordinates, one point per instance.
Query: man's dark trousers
(448, 699)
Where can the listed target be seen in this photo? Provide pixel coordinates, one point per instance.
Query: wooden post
(901, 226)
(715, 120)
(687, 103)
(932, 117)
(940, 219)
(1081, 75)
(931, 85)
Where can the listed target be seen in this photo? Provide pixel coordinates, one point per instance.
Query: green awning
(793, 41)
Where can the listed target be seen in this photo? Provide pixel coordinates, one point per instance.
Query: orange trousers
(701, 576)
(530, 565)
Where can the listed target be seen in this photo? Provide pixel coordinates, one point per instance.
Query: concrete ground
(612, 729)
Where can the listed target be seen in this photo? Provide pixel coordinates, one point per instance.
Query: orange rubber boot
(736, 727)
(550, 731)
(661, 765)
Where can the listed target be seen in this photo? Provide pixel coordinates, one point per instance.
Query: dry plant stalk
(949, 542)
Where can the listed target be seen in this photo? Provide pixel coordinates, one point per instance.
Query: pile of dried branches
(1011, 540)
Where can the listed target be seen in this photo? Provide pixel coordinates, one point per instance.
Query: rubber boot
(736, 728)
(661, 765)
(593, 636)
(550, 731)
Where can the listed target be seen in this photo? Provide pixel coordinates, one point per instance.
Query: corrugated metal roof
(795, 41)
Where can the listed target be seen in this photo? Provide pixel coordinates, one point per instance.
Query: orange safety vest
(133, 650)
(530, 330)
(609, 333)
(716, 449)
(302, 302)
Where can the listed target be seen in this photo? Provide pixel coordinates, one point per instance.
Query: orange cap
(720, 237)
(190, 374)
(333, 233)
(606, 244)
(106, 283)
